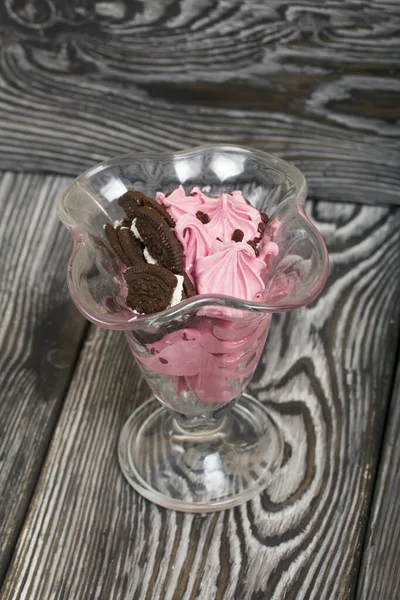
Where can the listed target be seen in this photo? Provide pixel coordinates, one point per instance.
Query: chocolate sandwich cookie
(160, 240)
(112, 237)
(188, 287)
(131, 247)
(133, 200)
(150, 288)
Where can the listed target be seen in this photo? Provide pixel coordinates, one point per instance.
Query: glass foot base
(201, 471)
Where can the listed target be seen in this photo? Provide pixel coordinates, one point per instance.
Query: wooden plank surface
(316, 83)
(326, 375)
(380, 569)
(40, 334)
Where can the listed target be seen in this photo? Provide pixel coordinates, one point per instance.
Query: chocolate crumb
(185, 337)
(261, 227)
(152, 351)
(237, 235)
(254, 246)
(163, 360)
(203, 217)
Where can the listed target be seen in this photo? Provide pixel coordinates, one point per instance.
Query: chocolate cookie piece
(112, 237)
(150, 288)
(160, 240)
(133, 200)
(188, 288)
(130, 246)
(253, 244)
(203, 217)
(124, 223)
(262, 227)
(237, 235)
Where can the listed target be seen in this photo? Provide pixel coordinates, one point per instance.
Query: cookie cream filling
(149, 258)
(178, 291)
(135, 231)
(146, 254)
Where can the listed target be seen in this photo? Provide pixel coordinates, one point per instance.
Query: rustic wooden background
(316, 83)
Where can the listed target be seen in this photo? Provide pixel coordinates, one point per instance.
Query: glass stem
(202, 424)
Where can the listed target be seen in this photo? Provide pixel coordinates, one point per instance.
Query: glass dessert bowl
(201, 443)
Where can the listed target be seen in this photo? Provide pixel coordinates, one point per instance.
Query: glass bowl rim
(296, 175)
(200, 301)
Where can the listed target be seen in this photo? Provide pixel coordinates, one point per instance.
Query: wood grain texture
(40, 334)
(316, 83)
(325, 374)
(380, 569)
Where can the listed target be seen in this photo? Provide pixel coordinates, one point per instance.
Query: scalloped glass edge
(197, 302)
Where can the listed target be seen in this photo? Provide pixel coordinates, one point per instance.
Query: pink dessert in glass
(222, 242)
(227, 247)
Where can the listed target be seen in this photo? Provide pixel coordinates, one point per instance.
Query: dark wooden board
(40, 335)
(326, 374)
(316, 83)
(380, 569)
